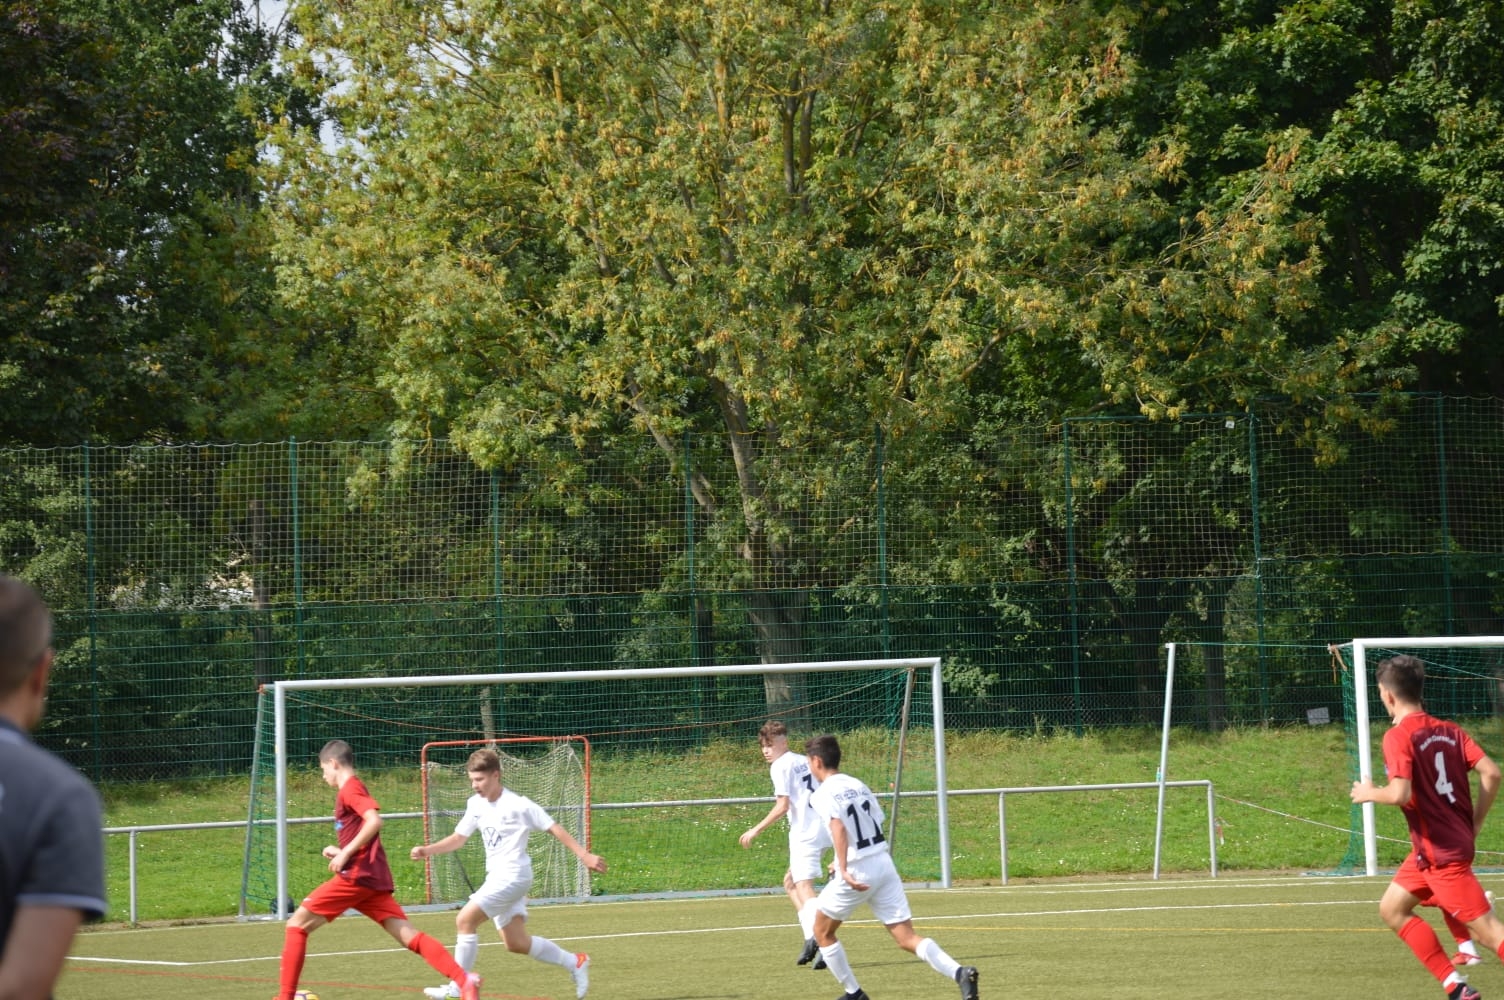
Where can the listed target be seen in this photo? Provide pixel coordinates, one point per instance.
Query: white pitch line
(627, 935)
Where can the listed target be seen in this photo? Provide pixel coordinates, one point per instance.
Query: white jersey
(793, 779)
(505, 826)
(847, 799)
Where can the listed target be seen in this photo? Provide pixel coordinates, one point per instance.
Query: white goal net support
(1464, 675)
(553, 771)
(674, 773)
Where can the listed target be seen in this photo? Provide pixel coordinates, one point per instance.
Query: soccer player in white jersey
(505, 821)
(793, 784)
(864, 873)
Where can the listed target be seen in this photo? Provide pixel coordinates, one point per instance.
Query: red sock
(437, 956)
(294, 950)
(1457, 927)
(1421, 939)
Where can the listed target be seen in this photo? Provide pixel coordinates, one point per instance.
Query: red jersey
(1435, 756)
(368, 866)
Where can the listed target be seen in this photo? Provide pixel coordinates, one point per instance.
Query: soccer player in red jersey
(1428, 760)
(362, 881)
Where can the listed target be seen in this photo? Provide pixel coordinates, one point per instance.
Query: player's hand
(1362, 791)
(418, 853)
(746, 839)
(595, 862)
(851, 880)
(330, 851)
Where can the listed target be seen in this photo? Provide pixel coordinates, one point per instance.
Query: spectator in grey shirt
(51, 839)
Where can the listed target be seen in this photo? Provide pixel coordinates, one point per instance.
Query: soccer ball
(305, 995)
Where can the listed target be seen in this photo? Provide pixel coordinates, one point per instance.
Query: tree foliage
(1375, 126)
(134, 291)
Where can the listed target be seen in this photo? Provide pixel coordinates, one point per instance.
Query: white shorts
(503, 898)
(804, 861)
(884, 892)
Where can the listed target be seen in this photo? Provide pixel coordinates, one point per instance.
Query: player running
(793, 783)
(1428, 760)
(505, 819)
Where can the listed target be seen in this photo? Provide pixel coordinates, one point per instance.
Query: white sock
(545, 950)
(937, 958)
(466, 946)
(835, 960)
(807, 918)
(1468, 947)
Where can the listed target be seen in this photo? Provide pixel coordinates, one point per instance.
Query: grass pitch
(1228, 937)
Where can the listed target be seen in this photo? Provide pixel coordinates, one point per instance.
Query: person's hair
(1404, 676)
(25, 632)
(770, 730)
(338, 751)
(484, 759)
(826, 749)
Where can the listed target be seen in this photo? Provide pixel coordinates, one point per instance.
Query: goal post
(1476, 683)
(674, 775)
(553, 771)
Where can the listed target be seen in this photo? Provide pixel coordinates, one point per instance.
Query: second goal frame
(1361, 720)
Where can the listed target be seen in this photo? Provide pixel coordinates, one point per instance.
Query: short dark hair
(1404, 675)
(25, 631)
(826, 749)
(338, 751)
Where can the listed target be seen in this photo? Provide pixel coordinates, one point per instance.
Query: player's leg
(1459, 892)
(834, 954)
(1467, 950)
(383, 908)
(805, 891)
(466, 948)
(890, 904)
(1456, 892)
(512, 923)
(302, 923)
(834, 906)
(1397, 909)
(799, 882)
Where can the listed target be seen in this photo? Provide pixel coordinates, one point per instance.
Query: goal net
(1464, 683)
(552, 771)
(674, 772)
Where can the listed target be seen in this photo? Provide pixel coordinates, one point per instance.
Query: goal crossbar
(1360, 649)
(280, 690)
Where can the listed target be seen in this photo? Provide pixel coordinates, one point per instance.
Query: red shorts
(1452, 888)
(337, 895)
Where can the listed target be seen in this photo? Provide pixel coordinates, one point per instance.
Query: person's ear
(35, 686)
(41, 673)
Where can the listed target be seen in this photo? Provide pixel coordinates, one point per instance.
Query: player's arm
(1489, 777)
(1395, 793)
(40, 937)
(780, 809)
(447, 845)
(370, 829)
(594, 862)
(838, 838)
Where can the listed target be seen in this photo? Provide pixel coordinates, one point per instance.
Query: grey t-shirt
(51, 839)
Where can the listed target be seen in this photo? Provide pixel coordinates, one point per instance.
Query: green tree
(134, 281)
(773, 223)
(1360, 142)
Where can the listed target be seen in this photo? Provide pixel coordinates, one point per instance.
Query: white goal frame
(280, 689)
(1361, 721)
